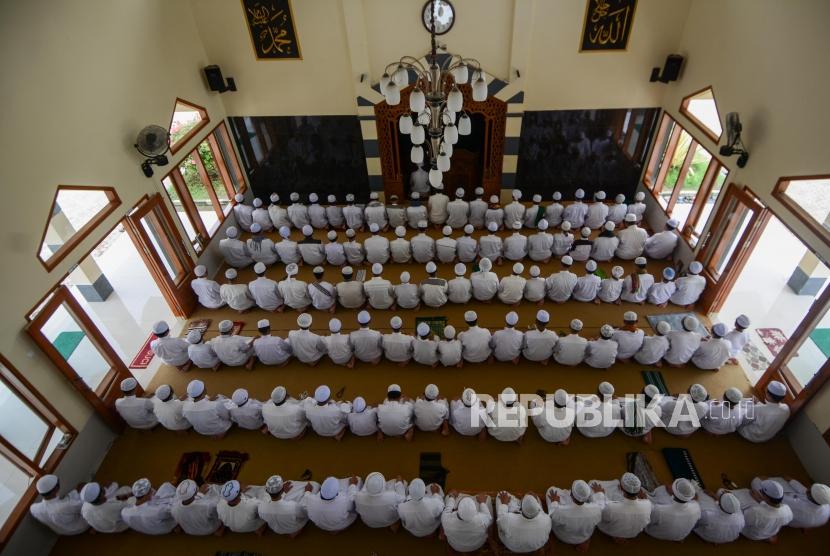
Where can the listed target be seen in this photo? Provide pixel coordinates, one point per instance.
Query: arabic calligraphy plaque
(271, 24)
(607, 25)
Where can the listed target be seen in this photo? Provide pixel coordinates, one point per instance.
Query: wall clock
(444, 16)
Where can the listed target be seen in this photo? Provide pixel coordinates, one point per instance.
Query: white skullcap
(317, 270)
(332, 199)
(690, 323)
(459, 192)
(160, 327)
(773, 489)
(332, 235)
(742, 321)
(511, 318)
(347, 271)
(231, 274)
(393, 388)
(438, 187)
(307, 230)
(469, 228)
(128, 384)
(263, 323)
(698, 393)
(449, 332)
(255, 227)
(630, 483)
(609, 226)
(292, 269)
(187, 489)
(630, 316)
(518, 268)
(163, 392)
(422, 329)
(479, 191)
(567, 260)
(485, 264)
(719, 330)
(274, 484)
(651, 391)
(294, 196)
(141, 488)
(350, 233)
(683, 489)
(274, 197)
(599, 195)
(400, 231)
(417, 489)
(663, 328)
(335, 325)
(278, 394)
(239, 396)
(517, 225)
(239, 197)
(576, 325)
(322, 393)
(396, 323)
(557, 196)
(374, 196)
(530, 506)
(585, 232)
(377, 269)
(542, 225)
(640, 261)
(470, 316)
(630, 218)
(537, 198)
(639, 196)
(606, 388)
(446, 230)
(200, 270)
(467, 510)
(46, 484)
(517, 194)
(363, 317)
(195, 388)
(579, 194)
(777, 389)
(90, 492)
(349, 198)
(733, 395)
(468, 397)
(534, 271)
(729, 503)
(431, 391)
(492, 227)
(415, 195)
(260, 268)
(329, 488)
(617, 272)
(820, 493)
(405, 277)
(374, 228)
(580, 490)
(285, 232)
(304, 320)
(620, 198)
(560, 397)
(695, 267)
(672, 223)
(225, 326)
(668, 273)
(431, 267)
(460, 269)
(231, 232)
(508, 395)
(543, 316)
(422, 224)
(566, 226)
(359, 404)
(231, 490)
(591, 265)
(606, 331)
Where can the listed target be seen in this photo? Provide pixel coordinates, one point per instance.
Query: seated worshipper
(683, 343)
(284, 417)
(284, 511)
(333, 507)
(554, 417)
(363, 419)
(168, 409)
(353, 248)
(294, 291)
(769, 416)
(173, 351)
(425, 346)
(491, 246)
(475, 341)
(209, 417)
(539, 245)
(689, 287)
(627, 517)
(597, 212)
(610, 289)
(421, 510)
(508, 418)
(397, 347)
(637, 284)
(460, 289)
(194, 509)
(136, 412)
(601, 353)
(277, 214)
(638, 208)
(641, 413)
(560, 285)
(395, 213)
(562, 240)
(522, 525)
(587, 285)
(468, 415)
(674, 511)
(466, 246)
(810, 506)
(437, 205)
(399, 248)
(150, 511)
(514, 212)
(235, 251)
(737, 337)
(599, 414)
(484, 282)
(431, 411)
(376, 246)
(423, 246)
(334, 214)
(338, 345)
(261, 248)
(581, 248)
(232, 349)
(245, 412)
(445, 247)
(539, 342)
(570, 349)
(237, 296)
(662, 244)
(395, 414)
(335, 254)
(508, 342)
(311, 249)
(713, 351)
(433, 289)
(682, 414)
(478, 208)
(632, 239)
(575, 212)
(297, 212)
(606, 243)
(725, 416)
(660, 292)
(326, 416)
(350, 293)
(574, 514)
(764, 511)
(317, 213)
(721, 519)
(535, 288)
(207, 290)
(367, 343)
(61, 514)
(654, 348)
(494, 213)
(244, 214)
(416, 212)
(377, 502)
(629, 337)
(238, 510)
(617, 211)
(287, 249)
(379, 292)
(512, 287)
(264, 291)
(466, 521)
(515, 245)
(323, 294)
(306, 346)
(102, 507)
(407, 295)
(450, 349)
(534, 212)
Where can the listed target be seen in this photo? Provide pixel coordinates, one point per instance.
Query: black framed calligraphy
(271, 24)
(607, 25)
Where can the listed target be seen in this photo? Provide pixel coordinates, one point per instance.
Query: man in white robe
(512, 287)
(327, 417)
(399, 248)
(311, 249)
(539, 342)
(265, 292)
(338, 345)
(363, 419)
(689, 287)
(560, 285)
(431, 411)
(515, 245)
(628, 517)
(535, 287)
(494, 213)
(207, 290)
(637, 284)
(416, 211)
(475, 341)
(491, 246)
(284, 511)
(379, 291)
(713, 352)
(587, 285)
(425, 346)
(810, 506)
(335, 254)
(459, 289)
(738, 337)
(632, 239)
(261, 248)
(765, 419)
(209, 417)
(375, 212)
(433, 289)
(173, 351)
(601, 353)
(334, 213)
(239, 510)
(660, 292)
(194, 509)
(467, 246)
(554, 416)
(232, 349)
(397, 346)
(376, 246)
(102, 507)
(539, 245)
(235, 251)
(423, 246)
(237, 296)
(638, 208)
(468, 416)
(333, 507)
(508, 418)
(450, 349)
(243, 214)
(294, 291)
(245, 412)
(277, 214)
(617, 211)
(570, 349)
(445, 247)
(610, 289)
(323, 294)
(421, 511)
(61, 514)
(605, 245)
(149, 511)
(563, 240)
(353, 249)
(377, 502)
(466, 521)
(284, 417)
(764, 511)
(317, 213)
(721, 518)
(674, 511)
(168, 409)
(437, 205)
(534, 212)
(574, 513)
(367, 343)
(597, 211)
(297, 212)
(575, 212)
(458, 210)
(683, 343)
(514, 212)
(629, 337)
(306, 346)
(395, 414)
(507, 343)
(350, 292)
(553, 212)
(598, 415)
(395, 213)
(136, 412)
(522, 525)
(484, 282)
(407, 295)
(287, 249)
(662, 244)
(654, 348)
(478, 207)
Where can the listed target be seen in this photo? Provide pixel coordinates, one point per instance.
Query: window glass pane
(732, 241)
(703, 108)
(186, 118)
(160, 240)
(198, 191)
(73, 344)
(657, 162)
(813, 196)
(709, 204)
(180, 210)
(19, 424)
(57, 436)
(13, 485)
(691, 186)
(228, 155)
(637, 128)
(213, 175)
(74, 208)
(675, 163)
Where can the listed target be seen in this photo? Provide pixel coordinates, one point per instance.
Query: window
(634, 132)
(76, 210)
(202, 185)
(684, 178)
(808, 197)
(187, 120)
(33, 439)
(702, 110)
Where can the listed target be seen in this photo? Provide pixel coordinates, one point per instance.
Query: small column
(809, 276)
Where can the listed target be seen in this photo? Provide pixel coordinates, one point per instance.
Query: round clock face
(444, 16)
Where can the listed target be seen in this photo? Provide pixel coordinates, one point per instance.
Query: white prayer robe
(762, 521)
(400, 250)
(806, 513)
(638, 209)
(317, 216)
(207, 291)
(467, 421)
(152, 517)
(459, 290)
(598, 428)
(511, 289)
(715, 525)
(673, 521)
(601, 353)
(490, 247)
(475, 344)
(445, 249)
(617, 212)
(625, 518)
(575, 214)
(233, 350)
(539, 344)
(379, 292)
(685, 408)
(722, 418)
(661, 245)
(170, 415)
(247, 416)
(332, 515)
(354, 252)
(334, 216)
(415, 214)
(688, 290)
(604, 248)
(629, 342)
(478, 208)
(555, 424)
(769, 418)
(422, 517)
(367, 344)
(380, 510)
(375, 213)
(562, 243)
(172, 351)
(423, 248)
(539, 246)
(106, 517)
(654, 348)
(286, 420)
(531, 214)
(449, 352)
(397, 347)
(377, 249)
(509, 423)
(266, 294)
(641, 293)
(244, 516)
(632, 241)
(203, 355)
(278, 216)
(364, 423)
(235, 252)
(737, 340)
(62, 514)
(507, 344)
(137, 412)
(515, 247)
(682, 346)
(437, 205)
(244, 216)
(560, 285)
(430, 414)
(306, 346)
(287, 515)
(350, 294)
(199, 517)
(425, 351)
(208, 417)
(660, 292)
(237, 296)
(712, 354)
(610, 290)
(513, 212)
(395, 417)
(457, 212)
(553, 213)
(327, 419)
(339, 348)
(586, 287)
(434, 292)
(494, 215)
(596, 215)
(335, 255)
(519, 534)
(465, 536)
(298, 214)
(288, 251)
(312, 251)
(263, 251)
(323, 295)
(570, 350)
(573, 523)
(535, 289)
(396, 215)
(407, 296)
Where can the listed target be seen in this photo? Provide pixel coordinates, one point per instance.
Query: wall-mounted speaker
(671, 69)
(216, 82)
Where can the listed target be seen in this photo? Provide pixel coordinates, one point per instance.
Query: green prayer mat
(821, 337)
(656, 378)
(436, 324)
(601, 273)
(682, 465)
(67, 342)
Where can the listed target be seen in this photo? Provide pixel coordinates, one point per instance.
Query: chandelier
(436, 103)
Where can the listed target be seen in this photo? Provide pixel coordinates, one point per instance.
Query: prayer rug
(191, 466)
(360, 275)
(67, 342)
(656, 378)
(199, 324)
(757, 360)
(144, 355)
(682, 465)
(238, 325)
(675, 320)
(226, 466)
(821, 336)
(436, 324)
(637, 463)
(774, 338)
(431, 470)
(601, 273)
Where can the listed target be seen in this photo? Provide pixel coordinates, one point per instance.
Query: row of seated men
(505, 419)
(476, 344)
(483, 285)
(627, 244)
(621, 509)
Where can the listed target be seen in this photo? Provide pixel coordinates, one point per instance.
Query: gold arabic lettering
(612, 30)
(272, 33)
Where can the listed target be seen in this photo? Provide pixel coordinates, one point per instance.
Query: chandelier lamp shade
(436, 104)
